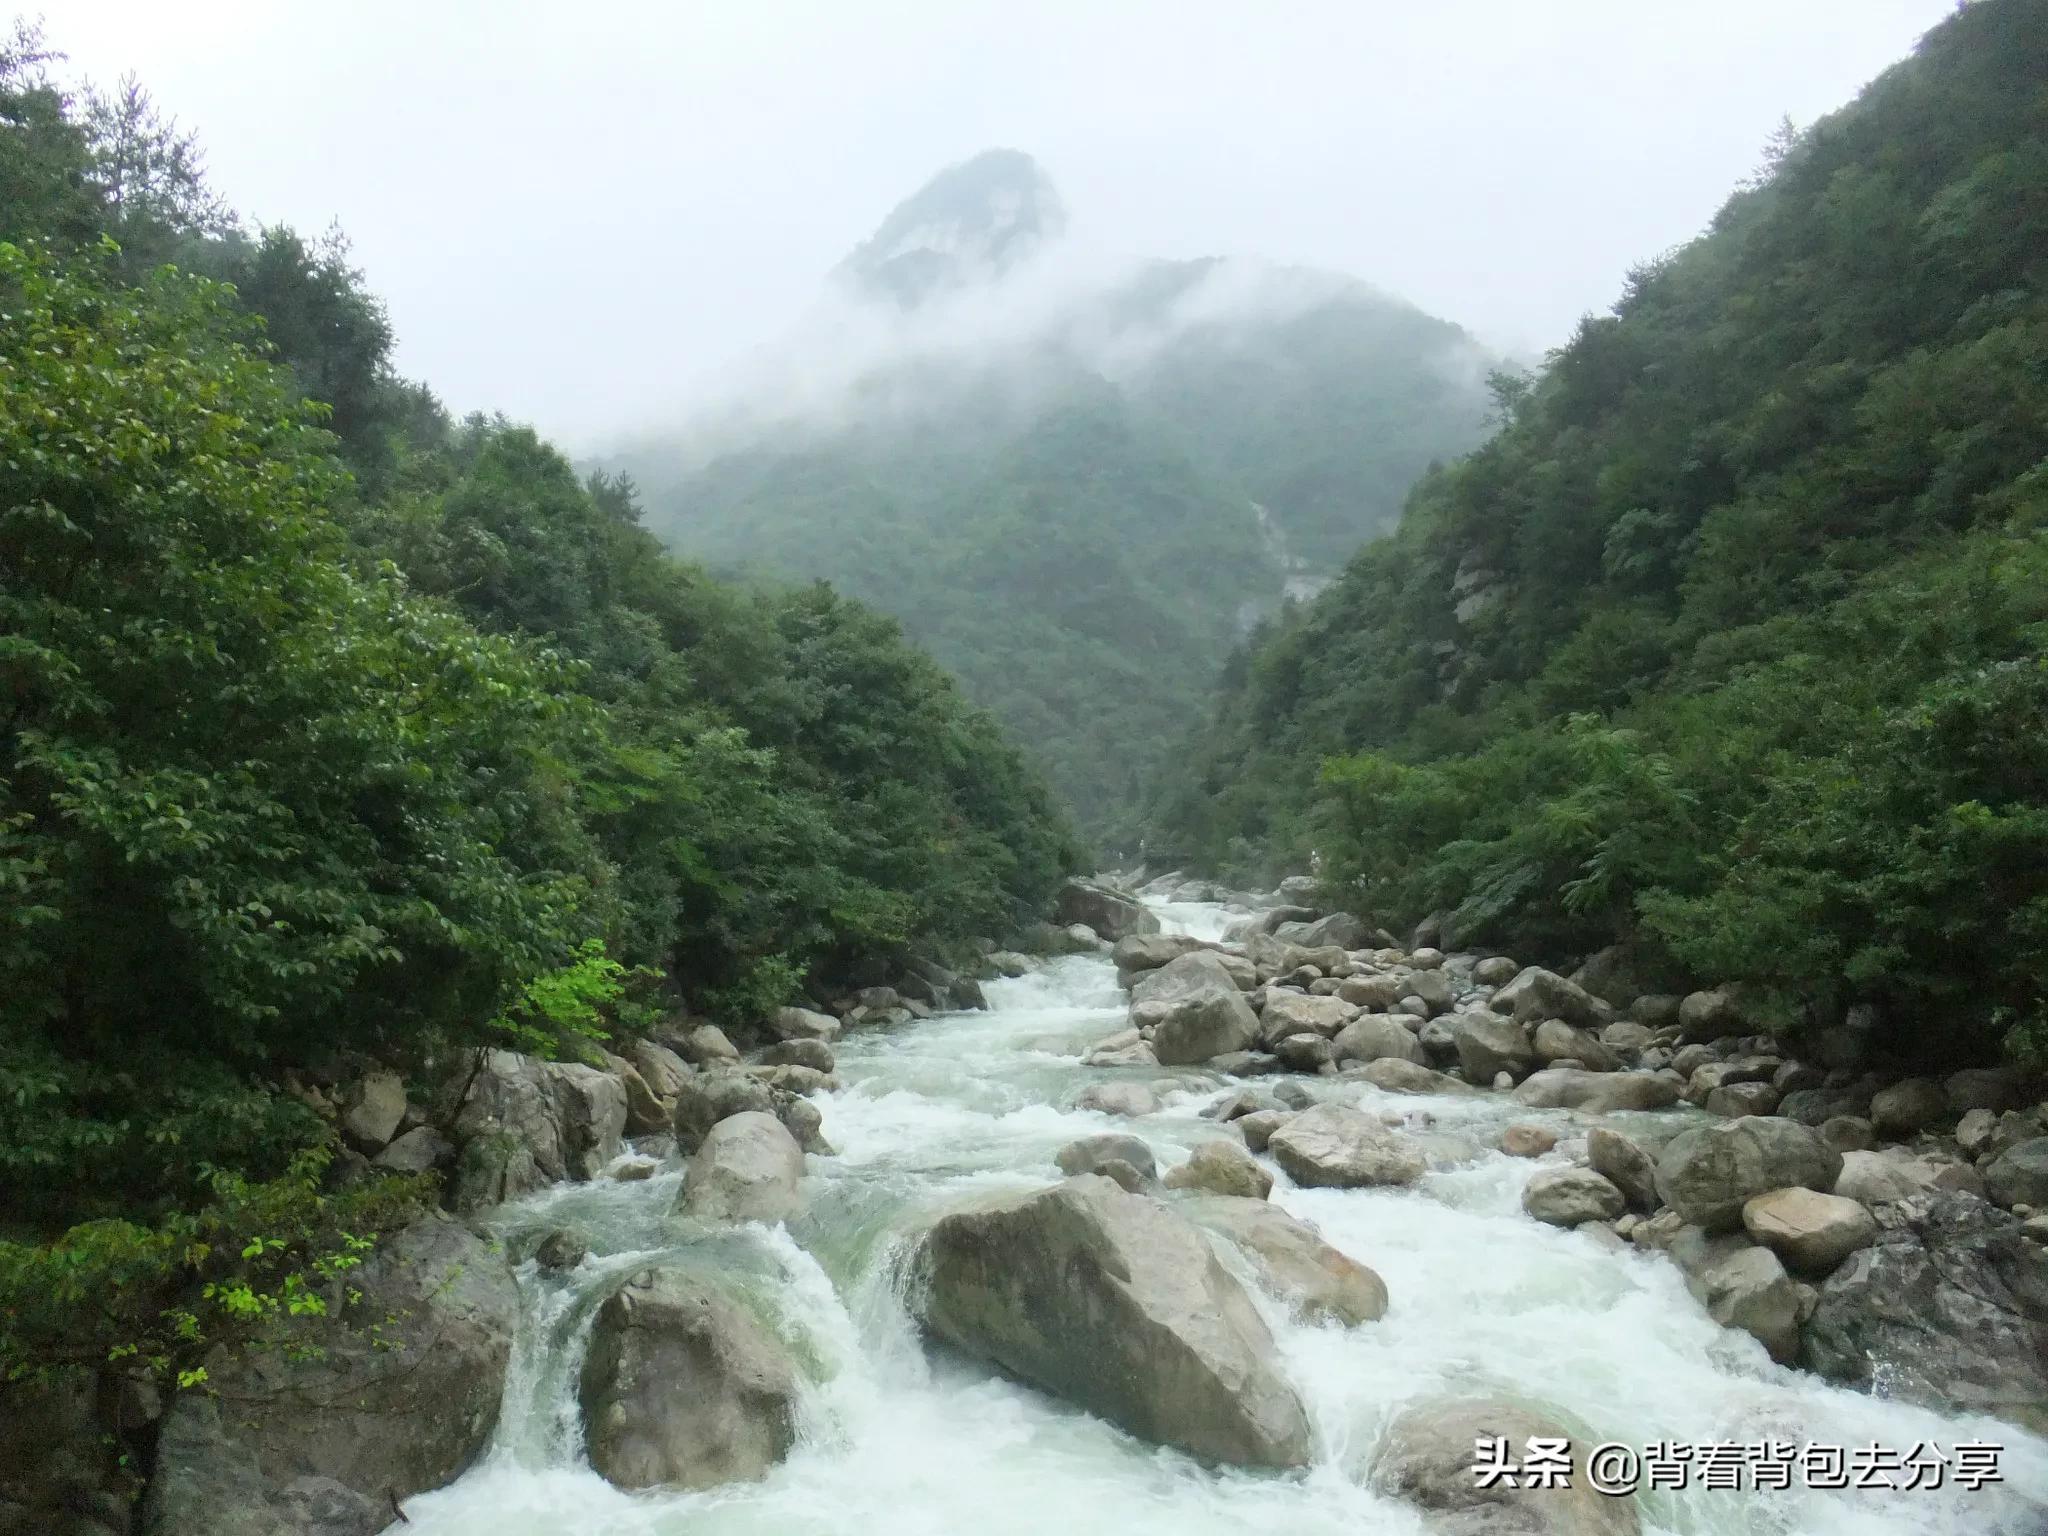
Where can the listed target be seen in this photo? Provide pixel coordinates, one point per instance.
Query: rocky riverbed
(1021, 1268)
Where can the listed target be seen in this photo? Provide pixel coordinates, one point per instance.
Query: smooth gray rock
(814, 1054)
(1904, 1108)
(683, 1388)
(1810, 1231)
(1318, 1283)
(1138, 953)
(420, 1150)
(1377, 1037)
(1625, 1165)
(1112, 914)
(1488, 1044)
(1426, 1458)
(1130, 1099)
(1707, 1174)
(1115, 1303)
(716, 1095)
(1555, 1040)
(1375, 994)
(1747, 1289)
(280, 1444)
(1222, 1168)
(748, 1169)
(1293, 1013)
(1571, 1197)
(1332, 1146)
(1396, 1076)
(1881, 1178)
(1202, 1013)
(2019, 1175)
(1126, 1159)
(799, 1024)
(1993, 1088)
(376, 1107)
(523, 1123)
(1596, 1092)
(1712, 1014)
(1536, 994)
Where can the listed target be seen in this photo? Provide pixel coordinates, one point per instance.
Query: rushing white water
(893, 1438)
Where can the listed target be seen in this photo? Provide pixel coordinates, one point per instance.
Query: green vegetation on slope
(1077, 540)
(1732, 640)
(327, 726)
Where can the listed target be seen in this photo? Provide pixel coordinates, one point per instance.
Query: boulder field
(1864, 1223)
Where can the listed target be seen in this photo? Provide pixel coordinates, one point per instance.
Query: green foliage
(1083, 550)
(1729, 641)
(243, 1269)
(569, 1003)
(256, 807)
(296, 765)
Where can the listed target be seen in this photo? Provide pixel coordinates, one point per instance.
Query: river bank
(893, 1435)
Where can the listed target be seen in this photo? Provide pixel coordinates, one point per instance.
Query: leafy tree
(1728, 641)
(309, 810)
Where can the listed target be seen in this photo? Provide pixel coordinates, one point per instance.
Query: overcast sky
(580, 213)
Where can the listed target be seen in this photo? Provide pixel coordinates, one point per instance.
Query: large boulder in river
(1625, 1165)
(710, 1097)
(1904, 1108)
(1112, 914)
(1743, 1286)
(1377, 1037)
(2019, 1175)
(1222, 1168)
(1555, 1040)
(323, 1440)
(1488, 1044)
(1115, 1303)
(1393, 1075)
(1138, 953)
(1332, 1146)
(683, 1387)
(1947, 1309)
(1880, 1178)
(1600, 1093)
(748, 1169)
(524, 1123)
(801, 1024)
(1317, 1282)
(1340, 929)
(1571, 1197)
(1427, 1454)
(1197, 1007)
(1711, 1015)
(1810, 1231)
(1297, 1013)
(1126, 1159)
(1537, 994)
(1707, 1174)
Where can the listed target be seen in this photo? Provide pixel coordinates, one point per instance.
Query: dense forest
(1075, 490)
(336, 728)
(1730, 643)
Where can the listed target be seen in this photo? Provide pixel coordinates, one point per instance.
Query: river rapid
(897, 1439)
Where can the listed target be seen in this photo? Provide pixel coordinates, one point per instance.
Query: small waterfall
(893, 1438)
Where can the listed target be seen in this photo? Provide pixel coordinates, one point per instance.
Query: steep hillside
(1077, 490)
(1732, 639)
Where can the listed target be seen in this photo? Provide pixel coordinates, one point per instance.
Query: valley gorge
(554, 987)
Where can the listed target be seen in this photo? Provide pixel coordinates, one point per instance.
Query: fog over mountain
(1078, 481)
(660, 187)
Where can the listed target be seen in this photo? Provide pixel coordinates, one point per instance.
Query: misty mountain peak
(969, 224)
